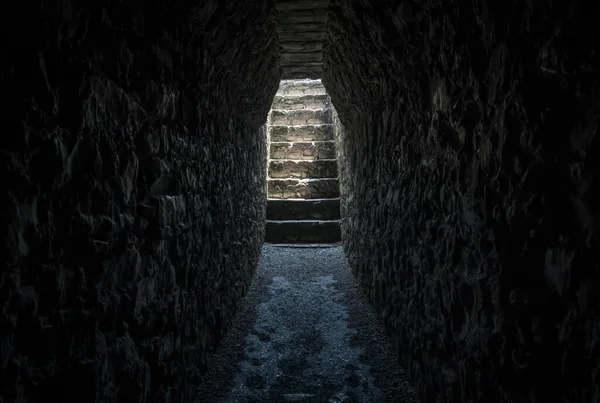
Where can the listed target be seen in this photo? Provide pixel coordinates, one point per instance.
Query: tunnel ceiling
(301, 28)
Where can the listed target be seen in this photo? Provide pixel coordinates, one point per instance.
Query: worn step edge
(307, 200)
(303, 209)
(313, 125)
(279, 97)
(296, 160)
(303, 179)
(303, 231)
(301, 142)
(297, 111)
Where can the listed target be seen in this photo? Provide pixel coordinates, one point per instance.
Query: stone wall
(133, 169)
(470, 159)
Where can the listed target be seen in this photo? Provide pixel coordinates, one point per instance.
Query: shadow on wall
(132, 160)
(469, 163)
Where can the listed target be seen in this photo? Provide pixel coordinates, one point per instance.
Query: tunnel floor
(305, 333)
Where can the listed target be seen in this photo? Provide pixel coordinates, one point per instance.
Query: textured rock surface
(308, 87)
(319, 209)
(300, 117)
(289, 161)
(470, 161)
(133, 171)
(301, 30)
(302, 151)
(300, 102)
(305, 334)
(132, 204)
(303, 188)
(303, 169)
(304, 231)
(302, 133)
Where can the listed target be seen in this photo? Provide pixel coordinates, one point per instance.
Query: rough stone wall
(470, 159)
(133, 164)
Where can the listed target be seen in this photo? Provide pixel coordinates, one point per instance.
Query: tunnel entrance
(303, 204)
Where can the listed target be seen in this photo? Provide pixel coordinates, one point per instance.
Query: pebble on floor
(305, 333)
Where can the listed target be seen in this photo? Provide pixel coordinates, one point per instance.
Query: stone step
(303, 188)
(301, 133)
(302, 169)
(302, 27)
(301, 57)
(300, 117)
(303, 231)
(288, 16)
(301, 102)
(296, 46)
(300, 87)
(302, 36)
(303, 71)
(314, 150)
(303, 209)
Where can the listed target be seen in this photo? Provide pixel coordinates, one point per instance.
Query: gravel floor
(305, 333)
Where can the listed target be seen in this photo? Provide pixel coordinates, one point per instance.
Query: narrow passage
(305, 333)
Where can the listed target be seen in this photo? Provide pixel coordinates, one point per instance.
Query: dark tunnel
(134, 171)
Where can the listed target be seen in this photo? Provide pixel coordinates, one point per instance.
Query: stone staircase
(303, 204)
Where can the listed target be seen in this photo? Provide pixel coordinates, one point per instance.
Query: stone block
(315, 150)
(301, 57)
(302, 188)
(301, 102)
(312, 209)
(302, 169)
(293, 5)
(309, 231)
(302, 71)
(301, 117)
(287, 16)
(301, 46)
(301, 27)
(302, 36)
(301, 133)
(300, 87)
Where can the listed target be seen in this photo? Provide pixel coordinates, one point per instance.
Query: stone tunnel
(134, 166)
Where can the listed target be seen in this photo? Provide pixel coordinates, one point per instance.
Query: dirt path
(305, 333)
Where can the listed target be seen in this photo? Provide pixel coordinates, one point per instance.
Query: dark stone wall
(133, 169)
(470, 158)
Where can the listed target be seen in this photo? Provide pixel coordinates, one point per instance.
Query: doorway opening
(303, 196)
